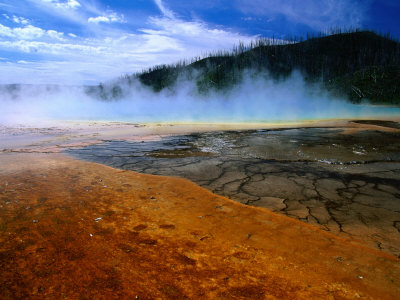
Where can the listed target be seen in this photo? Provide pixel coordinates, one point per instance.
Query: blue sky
(88, 41)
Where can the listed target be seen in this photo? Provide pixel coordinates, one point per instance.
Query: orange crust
(83, 230)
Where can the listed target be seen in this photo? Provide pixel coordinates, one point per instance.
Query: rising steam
(256, 99)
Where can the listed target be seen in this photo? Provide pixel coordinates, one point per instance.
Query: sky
(76, 42)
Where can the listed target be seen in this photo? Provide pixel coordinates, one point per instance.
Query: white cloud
(99, 19)
(110, 17)
(69, 4)
(196, 35)
(319, 15)
(56, 35)
(72, 4)
(29, 32)
(110, 51)
(57, 49)
(6, 31)
(26, 33)
(165, 11)
(62, 10)
(20, 20)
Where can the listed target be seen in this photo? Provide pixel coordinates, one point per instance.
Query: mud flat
(344, 180)
(74, 229)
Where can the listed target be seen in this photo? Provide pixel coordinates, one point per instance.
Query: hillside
(360, 65)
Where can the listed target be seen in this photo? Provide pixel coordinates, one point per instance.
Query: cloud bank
(104, 44)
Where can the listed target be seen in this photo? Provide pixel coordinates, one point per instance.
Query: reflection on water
(300, 144)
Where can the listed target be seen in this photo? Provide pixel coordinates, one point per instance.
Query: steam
(256, 99)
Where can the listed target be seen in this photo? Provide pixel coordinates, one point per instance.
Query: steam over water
(255, 100)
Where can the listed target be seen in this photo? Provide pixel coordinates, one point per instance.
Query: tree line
(356, 64)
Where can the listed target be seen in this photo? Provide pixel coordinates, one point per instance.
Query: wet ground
(348, 184)
(71, 229)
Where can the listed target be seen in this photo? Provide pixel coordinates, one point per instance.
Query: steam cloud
(256, 99)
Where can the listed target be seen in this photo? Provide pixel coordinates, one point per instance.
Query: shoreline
(59, 135)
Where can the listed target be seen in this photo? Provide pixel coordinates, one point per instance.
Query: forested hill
(359, 65)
